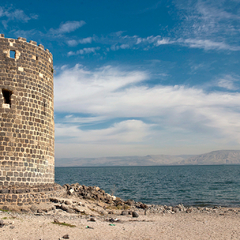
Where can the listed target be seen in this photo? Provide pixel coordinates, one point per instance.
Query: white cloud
(114, 47)
(124, 46)
(84, 51)
(163, 42)
(71, 119)
(228, 82)
(71, 53)
(208, 44)
(150, 40)
(119, 41)
(129, 131)
(136, 42)
(34, 16)
(73, 43)
(112, 93)
(14, 15)
(195, 67)
(27, 33)
(209, 19)
(85, 40)
(224, 83)
(1, 12)
(156, 41)
(106, 78)
(18, 15)
(67, 27)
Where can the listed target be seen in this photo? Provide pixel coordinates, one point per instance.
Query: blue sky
(138, 77)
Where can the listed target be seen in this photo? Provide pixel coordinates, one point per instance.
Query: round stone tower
(26, 113)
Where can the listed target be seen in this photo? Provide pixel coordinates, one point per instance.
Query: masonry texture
(25, 195)
(26, 113)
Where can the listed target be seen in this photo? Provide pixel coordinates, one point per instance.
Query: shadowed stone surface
(26, 114)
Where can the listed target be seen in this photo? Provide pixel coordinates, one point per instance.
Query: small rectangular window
(12, 54)
(44, 107)
(7, 96)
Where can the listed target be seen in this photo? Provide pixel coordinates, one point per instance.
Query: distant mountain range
(212, 158)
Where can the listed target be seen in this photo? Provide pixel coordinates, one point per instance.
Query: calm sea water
(170, 185)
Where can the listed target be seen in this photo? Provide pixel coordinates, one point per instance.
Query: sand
(81, 212)
(182, 225)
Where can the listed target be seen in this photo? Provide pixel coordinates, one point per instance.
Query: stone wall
(19, 196)
(26, 113)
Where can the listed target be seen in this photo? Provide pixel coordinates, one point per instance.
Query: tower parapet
(26, 113)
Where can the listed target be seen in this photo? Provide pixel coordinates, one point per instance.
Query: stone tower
(26, 113)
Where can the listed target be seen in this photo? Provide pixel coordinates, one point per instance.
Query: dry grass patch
(63, 224)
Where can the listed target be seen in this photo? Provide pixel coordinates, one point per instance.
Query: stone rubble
(92, 202)
(93, 206)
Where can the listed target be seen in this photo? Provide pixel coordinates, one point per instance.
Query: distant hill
(215, 157)
(148, 160)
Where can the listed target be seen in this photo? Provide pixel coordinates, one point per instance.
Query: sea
(216, 185)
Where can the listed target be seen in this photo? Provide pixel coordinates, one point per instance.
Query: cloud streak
(67, 27)
(73, 43)
(206, 25)
(209, 19)
(14, 15)
(129, 131)
(84, 51)
(113, 93)
(207, 44)
(118, 41)
(228, 82)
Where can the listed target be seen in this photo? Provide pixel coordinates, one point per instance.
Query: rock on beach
(92, 208)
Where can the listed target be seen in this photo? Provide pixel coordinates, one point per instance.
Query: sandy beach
(95, 220)
(154, 226)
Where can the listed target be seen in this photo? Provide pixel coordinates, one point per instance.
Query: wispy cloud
(150, 39)
(129, 131)
(228, 82)
(84, 51)
(124, 46)
(117, 47)
(28, 33)
(118, 41)
(67, 27)
(164, 41)
(151, 8)
(209, 19)
(113, 93)
(14, 15)
(52, 34)
(207, 44)
(73, 42)
(85, 40)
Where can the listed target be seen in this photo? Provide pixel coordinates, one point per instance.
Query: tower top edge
(21, 39)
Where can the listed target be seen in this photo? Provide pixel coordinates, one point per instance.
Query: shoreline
(82, 212)
(163, 186)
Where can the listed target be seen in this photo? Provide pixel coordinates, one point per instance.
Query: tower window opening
(7, 96)
(12, 54)
(44, 107)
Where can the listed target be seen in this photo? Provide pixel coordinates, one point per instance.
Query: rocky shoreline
(89, 200)
(109, 201)
(86, 207)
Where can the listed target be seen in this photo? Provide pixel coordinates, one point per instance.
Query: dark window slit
(7, 96)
